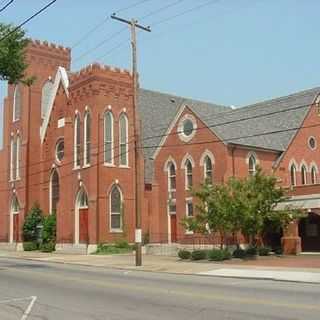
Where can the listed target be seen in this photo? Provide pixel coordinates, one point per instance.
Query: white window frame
(86, 142)
(187, 174)
(205, 169)
(77, 121)
(188, 201)
(252, 171)
(14, 111)
(294, 168)
(18, 148)
(115, 230)
(170, 189)
(314, 175)
(304, 175)
(111, 163)
(11, 159)
(125, 117)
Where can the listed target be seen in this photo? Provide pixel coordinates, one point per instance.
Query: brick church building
(68, 145)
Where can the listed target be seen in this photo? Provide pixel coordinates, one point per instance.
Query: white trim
(124, 115)
(87, 115)
(186, 157)
(304, 174)
(75, 136)
(15, 92)
(170, 128)
(11, 158)
(61, 77)
(291, 162)
(181, 134)
(50, 188)
(313, 164)
(291, 165)
(315, 142)
(188, 200)
(170, 159)
(18, 148)
(186, 184)
(77, 214)
(209, 154)
(116, 230)
(303, 163)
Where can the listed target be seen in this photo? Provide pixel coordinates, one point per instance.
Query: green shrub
(49, 229)
(219, 255)
(112, 249)
(47, 247)
(278, 251)
(252, 251)
(30, 246)
(199, 254)
(122, 244)
(31, 224)
(264, 251)
(184, 254)
(239, 253)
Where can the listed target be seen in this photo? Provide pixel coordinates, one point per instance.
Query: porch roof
(310, 201)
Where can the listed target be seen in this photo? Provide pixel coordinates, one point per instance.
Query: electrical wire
(7, 5)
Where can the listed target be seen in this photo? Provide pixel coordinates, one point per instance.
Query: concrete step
(70, 248)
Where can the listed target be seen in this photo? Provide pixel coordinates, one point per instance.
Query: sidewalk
(297, 269)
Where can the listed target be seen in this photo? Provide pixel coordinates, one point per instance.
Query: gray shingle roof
(255, 125)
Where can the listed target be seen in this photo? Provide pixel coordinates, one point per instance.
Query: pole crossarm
(130, 22)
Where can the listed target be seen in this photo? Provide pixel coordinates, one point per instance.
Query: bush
(30, 246)
(122, 244)
(31, 224)
(252, 251)
(278, 251)
(48, 247)
(239, 253)
(184, 254)
(199, 254)
(264, 251)
(49, 229)
(112, 249)
(219, 255)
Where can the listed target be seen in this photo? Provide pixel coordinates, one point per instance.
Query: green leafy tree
(32, 221)
(12, 57)
(49, 229)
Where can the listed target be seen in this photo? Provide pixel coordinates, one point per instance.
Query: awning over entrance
(310, 201)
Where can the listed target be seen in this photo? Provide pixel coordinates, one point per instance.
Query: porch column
(291, 242)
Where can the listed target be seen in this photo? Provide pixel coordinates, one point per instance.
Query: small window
(187, 127)
(108, 138)
(252, 165)
(171, 177)
(77, 141)
(123, 128)
(54, 192)
(60, 150)
(17, 103)
(115, 209)
(303, 175)
(293, 171)
(208, 170)
(312, 143)
(188, 174)
(313, 175)
(82, 199)
(189, 207)
(15, 206)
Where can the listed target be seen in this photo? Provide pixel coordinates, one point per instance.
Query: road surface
(33, 290)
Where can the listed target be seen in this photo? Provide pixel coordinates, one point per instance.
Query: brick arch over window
(188, 164)
(171, 168)
(207, 161)
(252, 162)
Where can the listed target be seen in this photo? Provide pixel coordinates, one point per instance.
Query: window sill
(116, 231)
(85, 166)
(124, 166)
(110, 165)
(189, 233)
(76, 168)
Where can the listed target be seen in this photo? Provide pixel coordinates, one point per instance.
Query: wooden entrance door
(309, 231)
(83, 226)
(173, 224)
(16, 228)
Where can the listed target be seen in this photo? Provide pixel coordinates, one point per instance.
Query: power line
(27, 20)
(6, 6)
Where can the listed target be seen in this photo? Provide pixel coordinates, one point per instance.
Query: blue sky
(232, 52)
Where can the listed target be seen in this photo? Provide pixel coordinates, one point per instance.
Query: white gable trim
(171, 126)
(61, 77)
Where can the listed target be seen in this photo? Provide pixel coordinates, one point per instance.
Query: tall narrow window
(208, 170)
(293, 176)
(123, 139)
(87, 138)
(313, 175)
(18, 152)
(54, 191)
(17, 103)
(15, 206)
(171, 177)
(45, 97)
(188, 174)
(115, 209)
(108, 138)
(77, 141)
(82, 199)
(303, 175)
(12, 164)
(252, 165)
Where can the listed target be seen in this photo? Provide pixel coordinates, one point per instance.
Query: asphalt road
(35, 290)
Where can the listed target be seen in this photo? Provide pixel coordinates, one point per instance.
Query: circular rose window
(312, 143)
(187, 127)
(60, 150)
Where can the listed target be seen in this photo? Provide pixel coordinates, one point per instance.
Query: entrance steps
(71, 248)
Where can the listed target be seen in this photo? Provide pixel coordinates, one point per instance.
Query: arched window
(123, 139)
(45, 97)
(115, 209)
(303, 175)
(188, 174)
(171, 177)
(54, 191)
(108, 138)
(208, 170)
(77, 141)
(17, 103)
(293, 175)
(15, 206)
(82, 199)
(252, 165)
(18, 151)
(87, 138)
(313, 175)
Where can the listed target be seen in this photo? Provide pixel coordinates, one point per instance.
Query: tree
(31, 224)
(12, 54)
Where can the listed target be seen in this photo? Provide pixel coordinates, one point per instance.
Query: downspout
(98, 183)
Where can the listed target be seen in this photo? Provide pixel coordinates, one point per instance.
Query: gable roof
(157, 111)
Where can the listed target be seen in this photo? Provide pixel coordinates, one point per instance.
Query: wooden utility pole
(137, 144)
